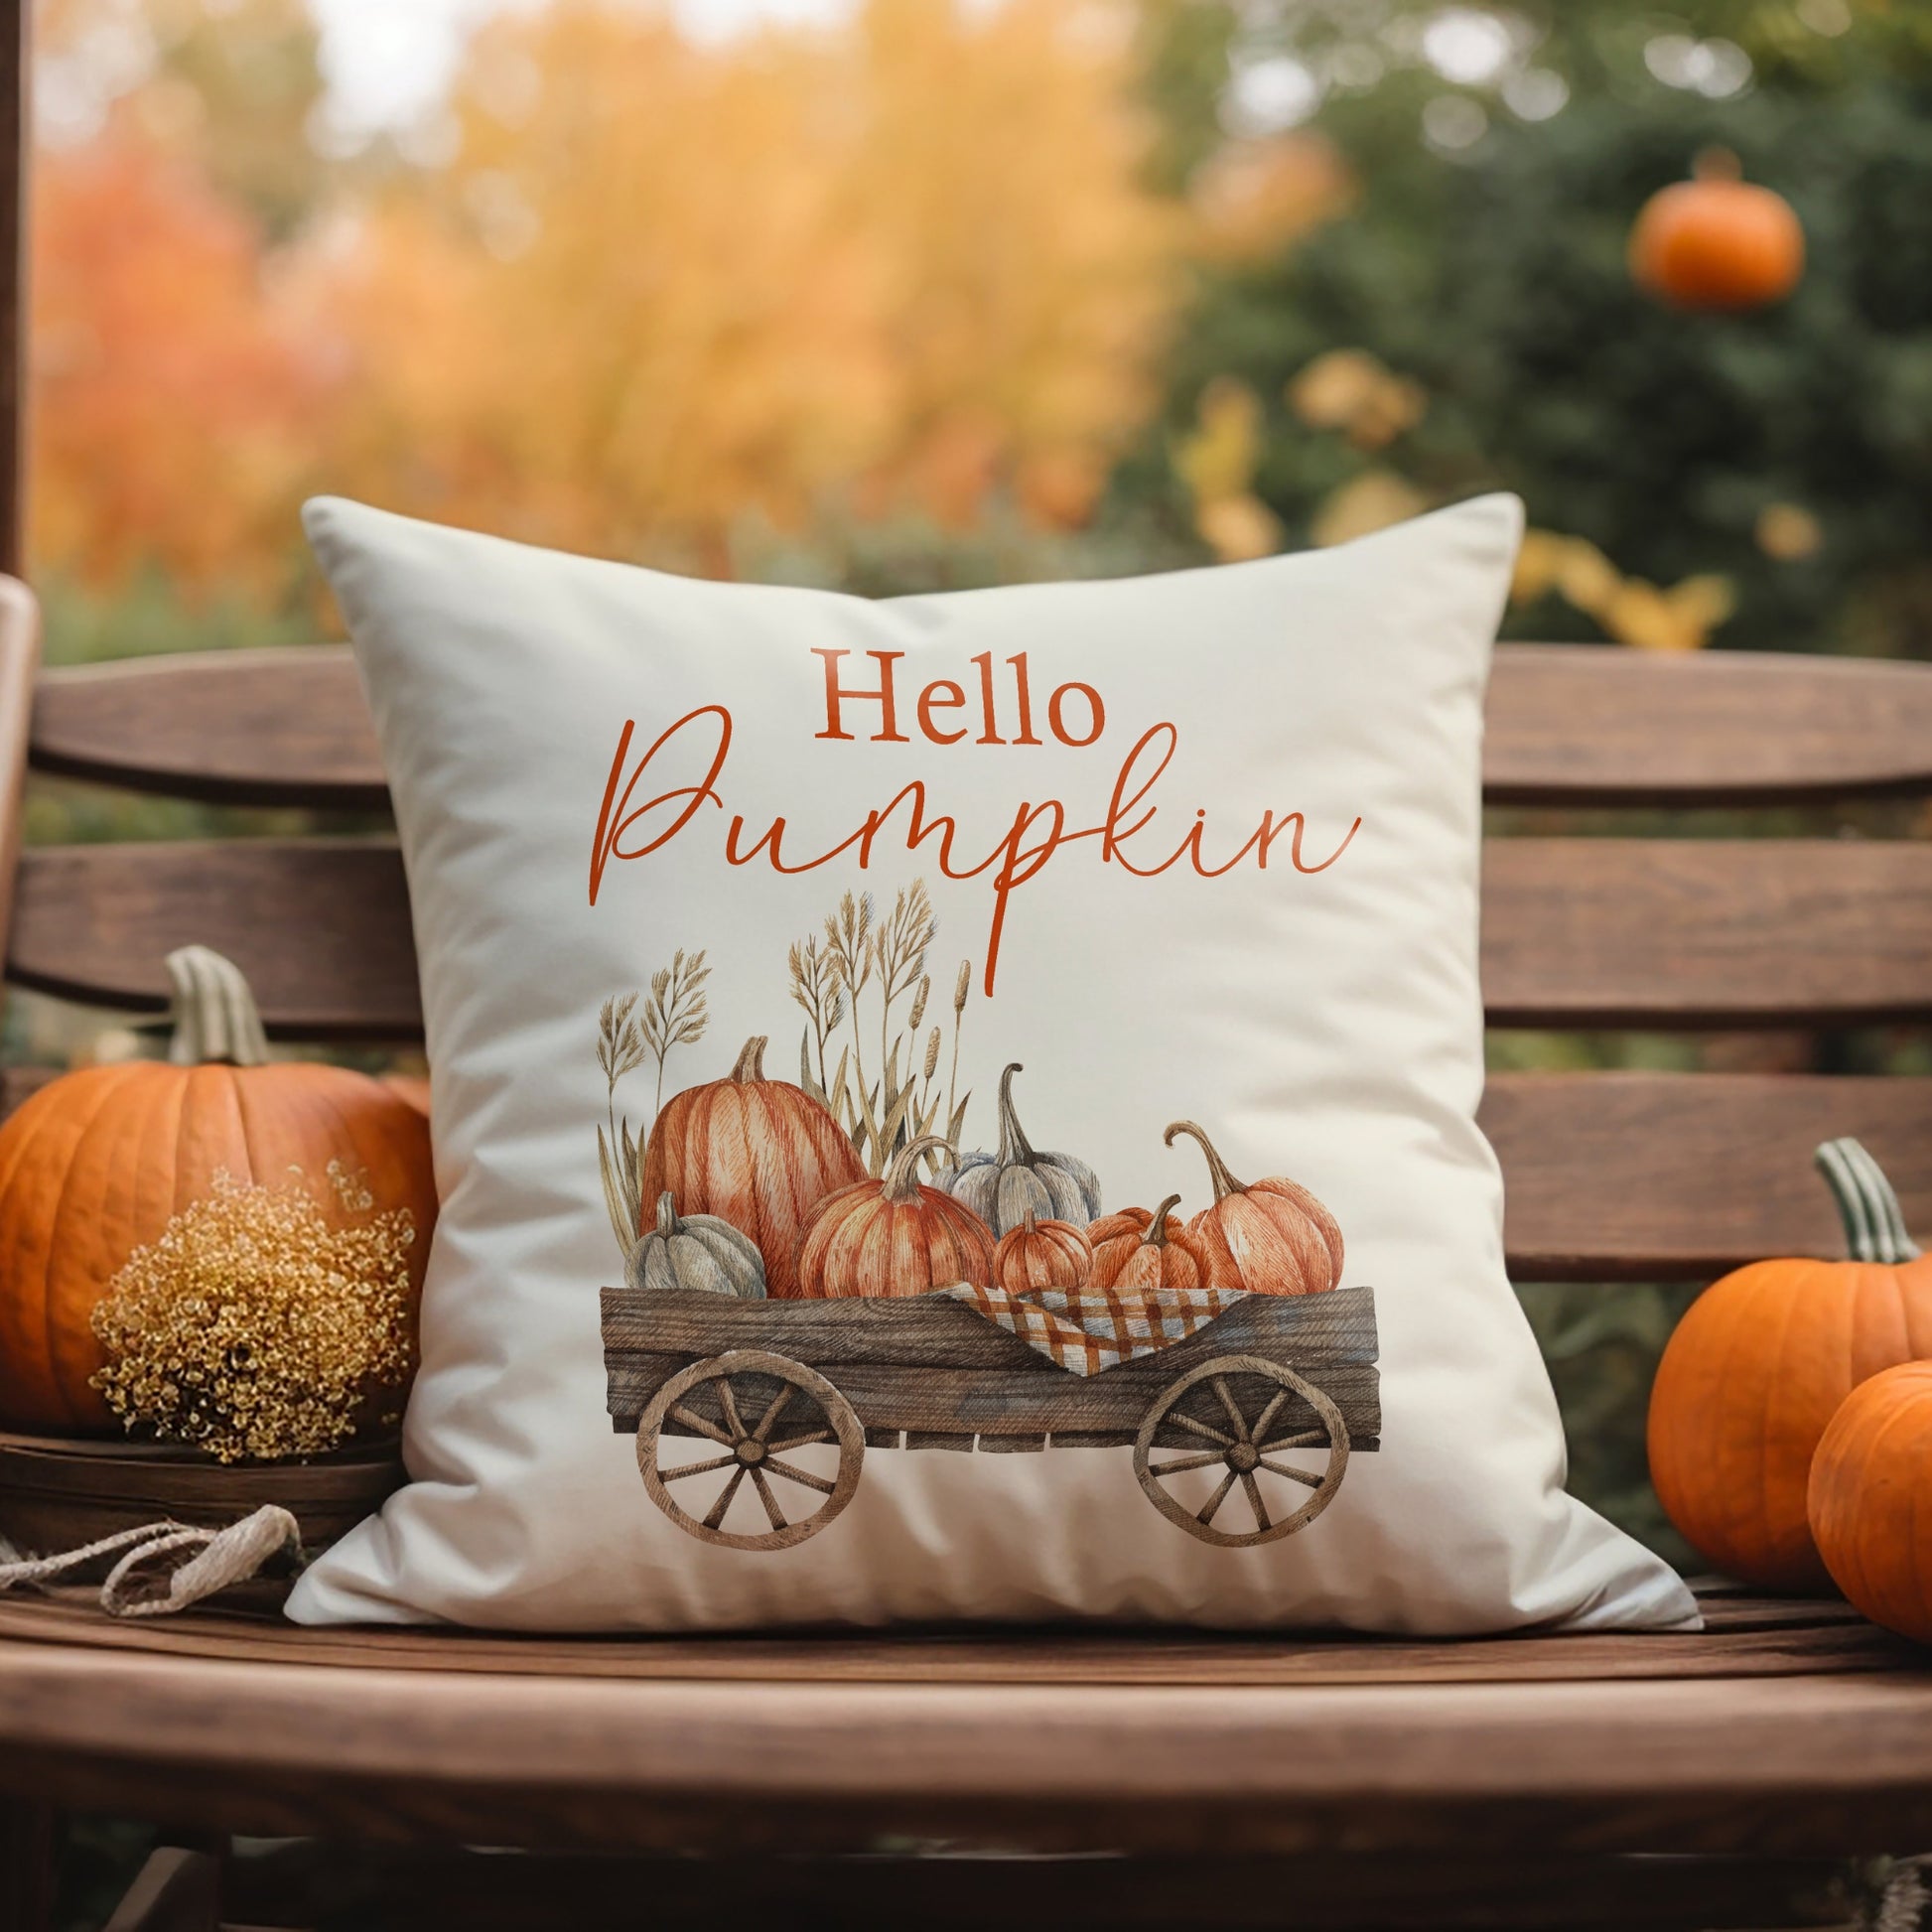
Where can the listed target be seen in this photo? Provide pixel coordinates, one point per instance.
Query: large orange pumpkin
(98, 1162)
(893, 1236)
(1759, 1366)
(1041, 1253)
(759, 1154)
(1870, 1498)
(1717, 241)
(1158, 1252)
(1271, 1238)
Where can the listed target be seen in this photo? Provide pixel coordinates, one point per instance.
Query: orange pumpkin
(759, 1154)
(1041, 1253)
(98, 1161)
(1870, 1497)
(1718, 241)
(1159, 1252)
(893, 1236)
(1271, 1238)
(1760, 1363)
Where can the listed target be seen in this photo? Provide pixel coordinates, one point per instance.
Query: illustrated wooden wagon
(1276, 1393)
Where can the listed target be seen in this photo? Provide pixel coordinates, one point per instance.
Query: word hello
(945, 696)
(659, 795)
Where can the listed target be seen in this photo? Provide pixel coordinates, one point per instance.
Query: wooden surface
(1578, 932)
(1805, 1734)
(20, 658)
(56, 1495)
(1676, 1177)
(1567, 724)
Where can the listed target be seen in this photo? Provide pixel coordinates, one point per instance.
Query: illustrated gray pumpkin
(696, 1251)
(1003, 1188)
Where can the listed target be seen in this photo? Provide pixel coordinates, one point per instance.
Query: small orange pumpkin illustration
(1272, 1237)
(1041, 1253)
(1145, 1250)
(893, 1236)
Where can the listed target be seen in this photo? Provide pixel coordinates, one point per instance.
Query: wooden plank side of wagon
(934, 1369)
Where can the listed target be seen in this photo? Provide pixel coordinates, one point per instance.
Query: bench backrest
(1611, 1175)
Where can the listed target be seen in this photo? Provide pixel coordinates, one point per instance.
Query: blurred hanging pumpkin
(1041, 1253)
(98, 1161)
(1870, 1495)
(893, 1236)
(695, 1251)
(1143, 1250)
(1718, 241)
(1271, 1238)
(1003, 1188)
(1760, 1363)
(759, 1154)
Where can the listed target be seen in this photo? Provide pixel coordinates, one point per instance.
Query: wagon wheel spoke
(770, 1416)
(715, 1517)
(1268, 1414)
(695, 1468)
(793, 1473)
(727, 1402)
(1255, 1504)
(692, 1420)
(1232, 1406)
(769, 1502)
(1205, 1514)
(1181, 1463)
(1201, 1428)
(798, 1442)
(1307, 1439)
(1294, 1475)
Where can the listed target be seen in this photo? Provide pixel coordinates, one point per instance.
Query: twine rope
(132, 1589)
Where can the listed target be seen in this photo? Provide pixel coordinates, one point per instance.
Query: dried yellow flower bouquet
(254, 1329)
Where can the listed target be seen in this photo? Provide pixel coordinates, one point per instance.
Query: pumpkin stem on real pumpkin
(1875, 1223)
(1014, 1144)
(1217, 1168)
(666, 1214)
(1717, 163)
(1157, 1233)
(901, 1181)
(215, 1015)
(751, 1063)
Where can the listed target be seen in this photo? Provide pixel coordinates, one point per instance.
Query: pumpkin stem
(666, 1214)
(1217, 1168)
(901, 1181)
(1156, 1234)
(751, 1063)
(1874, 1222)
(215, 1015)
(1717, 163)
(1015, 1148)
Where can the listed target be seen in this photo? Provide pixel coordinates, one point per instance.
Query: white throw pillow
(1182, 863)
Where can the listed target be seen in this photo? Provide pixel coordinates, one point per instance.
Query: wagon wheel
(806, 1409)
(1246, 1445)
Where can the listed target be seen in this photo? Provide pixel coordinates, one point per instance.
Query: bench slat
(1567, 724)
(1679, 1176)
(1578, 933)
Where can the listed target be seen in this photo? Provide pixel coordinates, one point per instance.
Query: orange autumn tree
(901, 264)
(174, 401)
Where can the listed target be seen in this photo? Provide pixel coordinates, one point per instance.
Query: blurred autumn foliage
(649, 287)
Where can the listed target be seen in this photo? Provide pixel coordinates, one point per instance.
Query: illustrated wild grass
(632, 1031)
(861, 952)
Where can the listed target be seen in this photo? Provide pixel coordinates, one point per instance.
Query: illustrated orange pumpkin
(759, 1154)
(1870, 1498)
(1041, 1253)
(893, 1236)
(1718, 241)
(1158, 1252)
(1271, 1238)
(98, 1161)
(1759, 1366)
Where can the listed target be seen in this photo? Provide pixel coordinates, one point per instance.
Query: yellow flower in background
(1217, 461)
(1788, 532)
(1630, 610)
(1350, 390)
(1364, 504)
(1253, 198)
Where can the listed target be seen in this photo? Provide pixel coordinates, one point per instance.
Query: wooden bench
(1205, 1780)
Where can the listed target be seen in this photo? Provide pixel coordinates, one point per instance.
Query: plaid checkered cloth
(1086, 1329)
